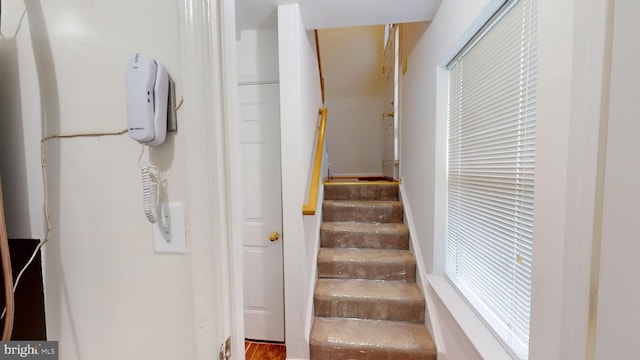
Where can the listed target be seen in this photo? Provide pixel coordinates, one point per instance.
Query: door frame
(207, 34)
(203, 26)
(394, 31)
(226, 39)
(228, 46)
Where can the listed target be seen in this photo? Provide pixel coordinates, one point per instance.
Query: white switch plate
(176, 243)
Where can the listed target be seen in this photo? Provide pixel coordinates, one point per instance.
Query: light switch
(173, 242)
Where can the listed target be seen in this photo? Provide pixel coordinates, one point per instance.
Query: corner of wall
(299, 103)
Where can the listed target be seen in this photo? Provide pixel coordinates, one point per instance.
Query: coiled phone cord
(150, 184)
(150, 192)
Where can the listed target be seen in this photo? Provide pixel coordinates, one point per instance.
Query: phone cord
(150, 183)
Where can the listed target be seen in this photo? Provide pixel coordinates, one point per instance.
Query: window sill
(476, 331)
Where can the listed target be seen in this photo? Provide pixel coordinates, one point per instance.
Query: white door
(262, 212)
(389, 117)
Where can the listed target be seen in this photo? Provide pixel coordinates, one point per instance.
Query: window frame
(475, 303)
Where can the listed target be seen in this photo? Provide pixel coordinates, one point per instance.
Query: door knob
(274, 236)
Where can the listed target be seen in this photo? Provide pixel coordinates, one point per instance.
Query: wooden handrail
(320, 66)
(310, 207)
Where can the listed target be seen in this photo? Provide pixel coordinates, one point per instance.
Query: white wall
(617, 313)
(571, 112)
(424, 47)
(258, 56)
(107, 294)
(300, 100)
(352, 60)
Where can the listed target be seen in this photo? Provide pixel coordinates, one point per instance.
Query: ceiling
(322, 14)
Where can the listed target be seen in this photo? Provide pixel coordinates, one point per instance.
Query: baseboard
(435, 327)
(430, 320)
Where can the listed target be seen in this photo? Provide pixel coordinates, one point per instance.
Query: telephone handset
(147, 98)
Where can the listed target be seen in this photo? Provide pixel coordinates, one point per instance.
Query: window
(490, 172)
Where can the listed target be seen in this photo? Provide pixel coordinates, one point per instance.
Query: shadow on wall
(12, 151)
(50, 124)
(162, 157)
(411, 33)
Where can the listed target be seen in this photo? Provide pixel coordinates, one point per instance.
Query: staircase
(367, 304)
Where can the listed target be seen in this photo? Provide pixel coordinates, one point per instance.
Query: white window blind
(490, 172)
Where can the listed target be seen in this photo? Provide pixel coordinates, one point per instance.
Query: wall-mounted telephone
(147, 99)
(151, 112)
(148, 96)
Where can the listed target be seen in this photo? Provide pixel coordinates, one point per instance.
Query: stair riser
(373, 309)
(361, 192)
(380, 213)
(370, 270)
(327, 352)
(347, 239)
(340, 338)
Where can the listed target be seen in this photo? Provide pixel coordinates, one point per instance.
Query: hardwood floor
(264, 351)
